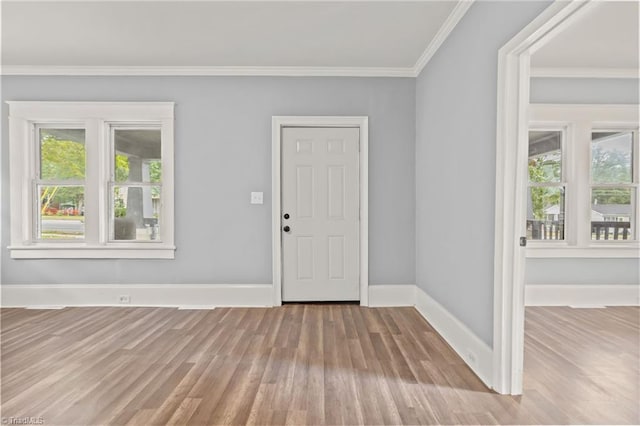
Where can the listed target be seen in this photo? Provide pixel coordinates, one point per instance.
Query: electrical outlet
(257, 197)
(124, 298)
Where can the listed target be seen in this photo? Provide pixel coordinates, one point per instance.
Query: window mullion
(105, 178)
(582, 204)
(92, 216)
(635, 206)
(635, 165)
(31, 156)
(636, 156)
(167, 200)
(569, 179)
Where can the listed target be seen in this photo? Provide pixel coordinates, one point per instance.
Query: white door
(320, 214)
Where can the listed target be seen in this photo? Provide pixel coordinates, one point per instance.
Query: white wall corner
(161, 295)
(449, 24)
(475, 352)
(392, 295)
(581, 295)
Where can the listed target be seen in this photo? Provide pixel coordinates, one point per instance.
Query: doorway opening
(512, 142)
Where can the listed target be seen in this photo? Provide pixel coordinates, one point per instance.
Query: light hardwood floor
(305, 364)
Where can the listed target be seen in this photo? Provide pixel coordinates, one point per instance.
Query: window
(99, 187)
(583, 181)
(612, 185)
(545, 207)
(135, 185)
(60, 183)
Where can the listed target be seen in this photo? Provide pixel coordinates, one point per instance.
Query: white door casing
(511, 180)
(320, 214)
(279, 123)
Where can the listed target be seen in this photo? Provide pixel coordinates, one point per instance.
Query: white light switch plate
(256, 197)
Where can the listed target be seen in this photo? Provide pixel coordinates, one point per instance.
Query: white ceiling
(365, 37)
(605, 36)
(391, 34)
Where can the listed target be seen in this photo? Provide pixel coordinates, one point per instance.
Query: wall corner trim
(157, 295)
(475, 352)
(581, 295)
(447, 27)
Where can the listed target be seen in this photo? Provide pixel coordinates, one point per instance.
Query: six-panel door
(320, 195)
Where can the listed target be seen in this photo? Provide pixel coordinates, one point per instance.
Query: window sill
(82, 251)
(606, 250)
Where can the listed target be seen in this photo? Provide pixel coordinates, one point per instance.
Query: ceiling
(143, 143)
(319, 37)
(605, 36)
(360, 34)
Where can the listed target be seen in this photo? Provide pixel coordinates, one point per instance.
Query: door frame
(277, 124)
(514, 74)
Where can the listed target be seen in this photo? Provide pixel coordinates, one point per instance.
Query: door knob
(286, 229)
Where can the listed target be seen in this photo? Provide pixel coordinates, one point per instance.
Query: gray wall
(223, 152)
(455, 162)
(585, 90)
(575, 270)
(583, 271)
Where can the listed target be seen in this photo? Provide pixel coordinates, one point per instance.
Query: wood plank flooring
(305, 364)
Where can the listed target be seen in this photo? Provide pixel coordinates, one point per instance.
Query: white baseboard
(581, 295)
(475, 352)
(170, 295)
(392, 295)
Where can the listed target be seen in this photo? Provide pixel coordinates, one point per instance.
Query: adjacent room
(319, 213)
(581, 263)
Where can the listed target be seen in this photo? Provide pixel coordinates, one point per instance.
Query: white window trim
(96, 117)
(579, 121)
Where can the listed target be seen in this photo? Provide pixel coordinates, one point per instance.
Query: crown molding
(585, 72)
(449, 24)
(34, 70)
